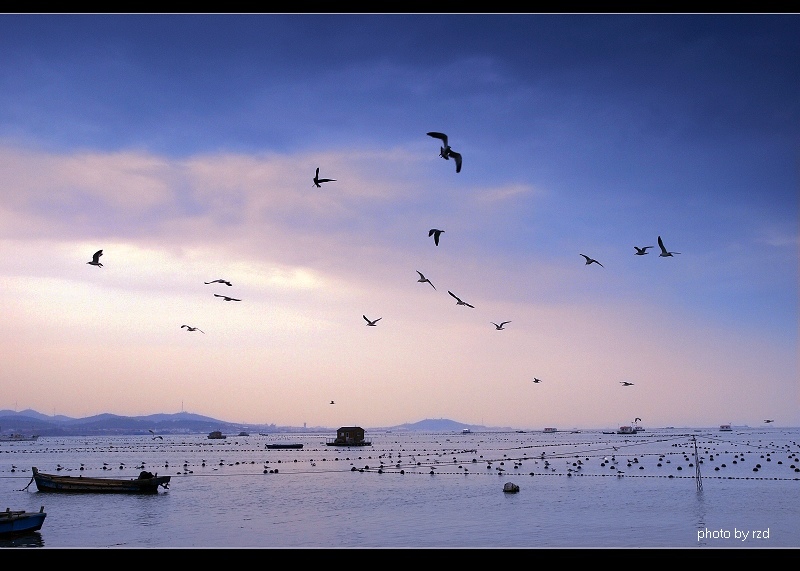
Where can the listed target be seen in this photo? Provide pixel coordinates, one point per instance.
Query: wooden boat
(14, 523)
(146, 483)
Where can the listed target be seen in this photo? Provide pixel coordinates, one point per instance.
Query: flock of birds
(447, 153)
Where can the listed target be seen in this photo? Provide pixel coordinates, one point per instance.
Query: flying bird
(96, 259)
(318, 180)
(770, 420)
(499, 327)
(226, 282)
(459, 302)
(189, 328)
(664, 253)
(626, 383)
(637, 419)
(333, 402)
(535, 380)
(592, 261)
(641, 251)
(435, 233)
(445, 151)
(371, 323)
(155, 436)
(424, 279)
(226, 298)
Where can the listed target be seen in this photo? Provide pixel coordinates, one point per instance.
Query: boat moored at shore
(13, 523)
(146, 483)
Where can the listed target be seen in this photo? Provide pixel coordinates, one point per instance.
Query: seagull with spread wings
(641, 251)
(592, 261)
(500, 325)
(190, 328)
(226, 298)
(318, 180)
(445, 151)
(226, 282)
(626, 383)
(435, 232)
(458, 300)
(96, 259)
(424, 279)
(535, 380)
(371, 322)
(664, 253)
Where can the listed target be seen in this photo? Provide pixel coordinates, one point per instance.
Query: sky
(184, 147)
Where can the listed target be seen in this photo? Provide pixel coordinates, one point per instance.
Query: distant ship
(14, 437)
(465, 431)
(725, 427)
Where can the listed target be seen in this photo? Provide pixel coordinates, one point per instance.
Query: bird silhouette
(535, 380)
(500, 326)
(226, 282)
(96, 259)
(155, 436)
(373, 322)
(318, 180)
(226, 298)
(445, 151)
(424, 279)
(435, 233)
(189, 328)
(664, 253)
(459, 302)
(641, 251)
(592, 261)
(626, 383)
(769, 420)
(637, 419)
(333, 402)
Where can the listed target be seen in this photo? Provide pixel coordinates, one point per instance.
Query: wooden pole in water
(697, 478)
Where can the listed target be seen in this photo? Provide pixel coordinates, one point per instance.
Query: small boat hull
(13, 523)
(146, 483)
(283, 446)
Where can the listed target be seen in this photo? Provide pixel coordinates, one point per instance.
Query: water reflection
(33, 539)
(700, 516)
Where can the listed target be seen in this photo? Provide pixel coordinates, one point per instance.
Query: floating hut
(349, 436)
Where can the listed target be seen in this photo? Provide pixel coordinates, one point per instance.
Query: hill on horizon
(33, 422)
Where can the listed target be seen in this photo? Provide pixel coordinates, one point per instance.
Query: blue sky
(184, 147)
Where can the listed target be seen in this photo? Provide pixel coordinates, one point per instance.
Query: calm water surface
(577, 490)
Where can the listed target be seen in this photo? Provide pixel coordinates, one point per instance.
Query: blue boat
(20, 522)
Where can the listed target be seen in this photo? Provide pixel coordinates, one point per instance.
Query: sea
(662, 488)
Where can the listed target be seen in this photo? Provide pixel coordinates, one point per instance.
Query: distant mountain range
(29, 422)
